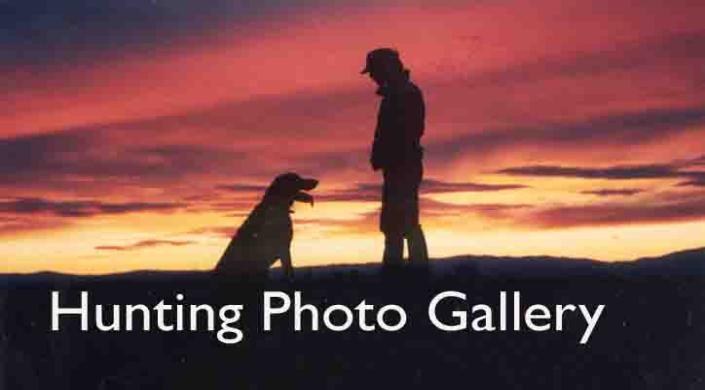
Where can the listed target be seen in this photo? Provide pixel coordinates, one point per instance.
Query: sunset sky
(138, 134)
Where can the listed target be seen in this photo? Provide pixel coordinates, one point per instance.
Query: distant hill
(682, 263)
(687, 262)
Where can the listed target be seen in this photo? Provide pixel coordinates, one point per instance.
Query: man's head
(383, 65)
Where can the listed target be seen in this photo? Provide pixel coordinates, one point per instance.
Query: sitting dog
(266, 234)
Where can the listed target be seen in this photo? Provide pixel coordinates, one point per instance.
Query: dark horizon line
(470, 257)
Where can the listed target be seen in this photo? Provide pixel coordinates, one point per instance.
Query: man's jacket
(400, 125)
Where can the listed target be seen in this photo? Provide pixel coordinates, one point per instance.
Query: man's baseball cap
(378, 56)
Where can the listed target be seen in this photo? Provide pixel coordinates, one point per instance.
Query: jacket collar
(388, 89)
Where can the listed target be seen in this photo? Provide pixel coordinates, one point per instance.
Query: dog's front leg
(286, 264)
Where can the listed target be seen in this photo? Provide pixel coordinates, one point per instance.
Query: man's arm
(408, 125)
(412, 117)
(377, 150)
(374, 152)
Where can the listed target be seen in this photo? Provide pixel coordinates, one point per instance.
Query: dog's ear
(284, 185)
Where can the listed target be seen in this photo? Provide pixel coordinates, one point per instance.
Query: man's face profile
(380, 72)
(376, 74)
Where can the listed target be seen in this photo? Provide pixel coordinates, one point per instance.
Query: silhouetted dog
(266, 234)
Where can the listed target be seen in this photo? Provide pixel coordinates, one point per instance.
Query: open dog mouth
(306, 185)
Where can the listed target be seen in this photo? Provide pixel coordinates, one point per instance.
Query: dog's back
(258, 243)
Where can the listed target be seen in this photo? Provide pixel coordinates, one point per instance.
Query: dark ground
(650, 336)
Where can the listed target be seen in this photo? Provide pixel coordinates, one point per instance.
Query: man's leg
(418, 252)
(390, 223)
(393, 250)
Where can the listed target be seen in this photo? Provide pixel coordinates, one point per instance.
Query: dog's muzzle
(305, 185)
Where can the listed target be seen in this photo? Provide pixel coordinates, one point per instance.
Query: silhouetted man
(398, 153)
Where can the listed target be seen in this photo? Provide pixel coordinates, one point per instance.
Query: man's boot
(418, 252)
(393, 251)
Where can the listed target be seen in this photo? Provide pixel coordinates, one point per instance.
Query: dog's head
(289, 187)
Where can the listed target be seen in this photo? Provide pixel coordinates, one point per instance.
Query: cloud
(165, 148)
(430, 207)
(14, 225)
(614, 192)
(364, 223)
(217, 231)
(673, 170)
(243, 188)
(359, 224)
(699, 161)
(667, 49)
(629, 128)
(682, 209)
(80, 208)
(36, 155)
(438, 186)
(143, 244)
(30, 26)
(359, 192)
(365, 192)
(623, 172)
(371, 192)
(235, 208)
(60, 160)
(696, 182)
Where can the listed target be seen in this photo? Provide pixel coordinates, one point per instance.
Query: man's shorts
(400, 198)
